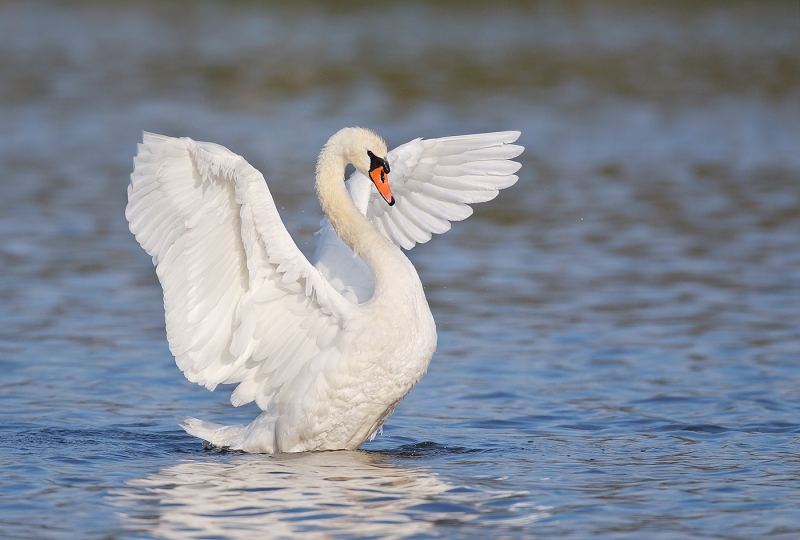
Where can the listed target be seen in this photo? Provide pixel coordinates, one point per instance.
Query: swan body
(327, 348)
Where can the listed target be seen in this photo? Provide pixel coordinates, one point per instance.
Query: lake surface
(619, 347)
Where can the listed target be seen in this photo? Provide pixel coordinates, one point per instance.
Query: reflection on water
(347, 493)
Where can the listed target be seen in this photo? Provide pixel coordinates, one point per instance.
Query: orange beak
(380, 177)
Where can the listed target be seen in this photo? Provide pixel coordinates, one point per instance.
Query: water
(618, 339)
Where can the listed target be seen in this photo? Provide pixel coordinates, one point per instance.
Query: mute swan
(327, 350)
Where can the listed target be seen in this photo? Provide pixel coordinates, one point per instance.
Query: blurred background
(618, 332)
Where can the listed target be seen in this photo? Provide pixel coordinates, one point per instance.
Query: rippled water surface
(619, 350)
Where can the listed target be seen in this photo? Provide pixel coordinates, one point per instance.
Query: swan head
(366, 150)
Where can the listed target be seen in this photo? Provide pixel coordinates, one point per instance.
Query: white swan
(327, 350)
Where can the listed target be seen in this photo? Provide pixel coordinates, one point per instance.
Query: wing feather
(242, 303)
(434, 180)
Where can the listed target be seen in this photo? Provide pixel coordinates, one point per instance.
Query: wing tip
(151, 138)
(495, 138)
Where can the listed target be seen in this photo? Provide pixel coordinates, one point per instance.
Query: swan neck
(349, 223)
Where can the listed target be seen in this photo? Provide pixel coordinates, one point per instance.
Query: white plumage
(326, 350)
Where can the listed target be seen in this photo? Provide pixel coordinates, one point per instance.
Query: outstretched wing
(243, 304)
(435, 180)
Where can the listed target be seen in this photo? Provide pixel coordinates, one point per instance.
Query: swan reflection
(284, 495)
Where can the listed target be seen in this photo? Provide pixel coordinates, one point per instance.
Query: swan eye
(375, 162)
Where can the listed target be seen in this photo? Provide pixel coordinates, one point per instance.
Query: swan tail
(214, 434)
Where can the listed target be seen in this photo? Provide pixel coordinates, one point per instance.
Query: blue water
(619, 350)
